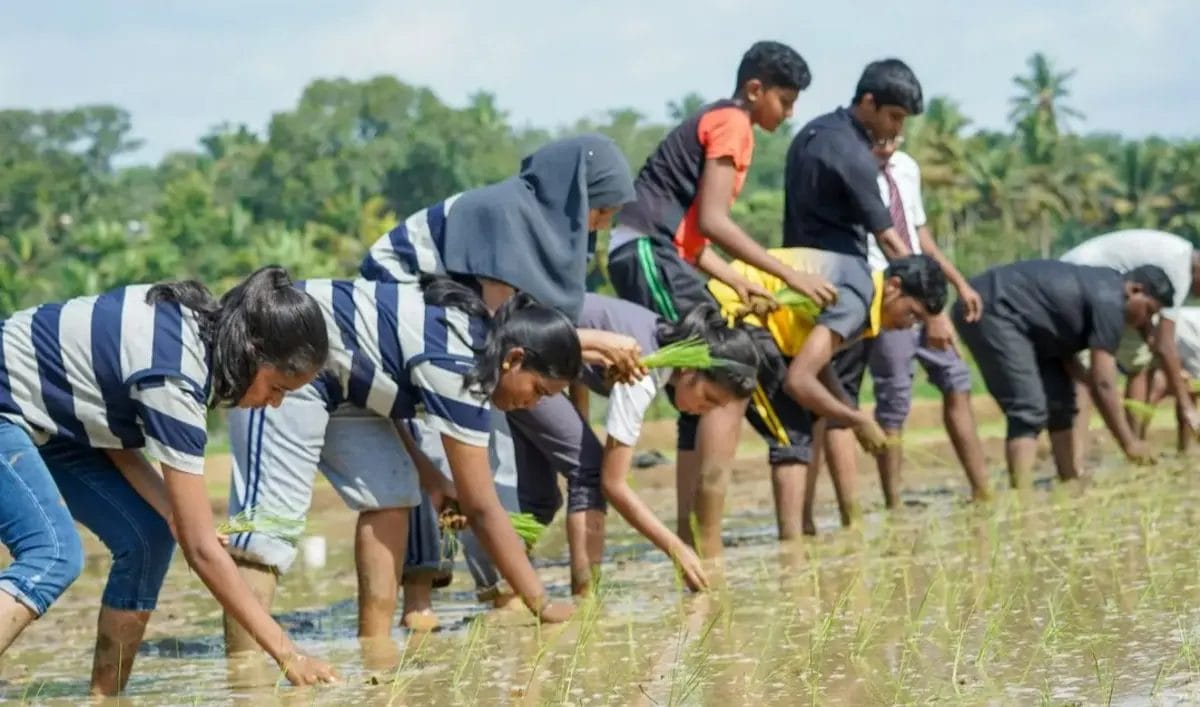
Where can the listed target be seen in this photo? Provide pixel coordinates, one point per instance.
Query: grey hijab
(530, 231)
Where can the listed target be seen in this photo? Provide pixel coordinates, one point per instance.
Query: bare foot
(420, 620)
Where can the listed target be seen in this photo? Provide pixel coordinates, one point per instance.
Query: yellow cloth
(789, 326)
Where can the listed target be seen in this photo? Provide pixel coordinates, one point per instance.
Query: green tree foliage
(333, 172)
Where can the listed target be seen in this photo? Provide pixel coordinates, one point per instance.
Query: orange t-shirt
(667, 184)
(724, 132)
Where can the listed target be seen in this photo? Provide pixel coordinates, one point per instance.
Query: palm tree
(1038, 111)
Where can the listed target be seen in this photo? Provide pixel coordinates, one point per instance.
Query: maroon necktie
(896, 206)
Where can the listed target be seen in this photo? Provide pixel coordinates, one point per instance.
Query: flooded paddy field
(1069, 594)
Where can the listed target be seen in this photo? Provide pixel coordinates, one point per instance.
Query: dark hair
(922, 278)
(739, 358)
(546, 335)
(891, 83)
(774, 64)
(264, 321)
(1154, 282)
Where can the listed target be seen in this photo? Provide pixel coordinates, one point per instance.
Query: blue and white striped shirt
(390, 353)
(109, 371)
(412, 248)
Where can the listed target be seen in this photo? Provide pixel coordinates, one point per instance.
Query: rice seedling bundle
(1143, 411)
(254, 520)
(787, 297)
(689, 353)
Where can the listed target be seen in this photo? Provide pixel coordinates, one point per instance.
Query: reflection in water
(1064, 594)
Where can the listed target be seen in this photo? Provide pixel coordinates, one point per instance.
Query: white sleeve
(449, 409)
(627, 405)
(173, 422)
(1180, 275)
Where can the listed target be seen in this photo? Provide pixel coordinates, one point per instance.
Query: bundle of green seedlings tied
(688, 353)
(1141, 410)
(452, 521)
(252, 520)
(787, 297)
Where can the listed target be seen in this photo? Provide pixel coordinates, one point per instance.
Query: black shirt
(1063, 308)
(831, 196)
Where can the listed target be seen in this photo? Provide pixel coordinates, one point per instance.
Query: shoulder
(726, 117)
(904, 164)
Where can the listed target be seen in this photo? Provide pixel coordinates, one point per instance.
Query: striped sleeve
(449, 409)
(173, 422)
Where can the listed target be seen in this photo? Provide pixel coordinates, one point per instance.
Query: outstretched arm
(478, 500)
(1102, 379)
(713, 200)
(212, 563)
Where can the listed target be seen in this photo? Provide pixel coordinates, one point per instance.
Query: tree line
(331, 174)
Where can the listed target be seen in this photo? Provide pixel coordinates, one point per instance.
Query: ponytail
(737, 357)
(547, 337)
(263, 321)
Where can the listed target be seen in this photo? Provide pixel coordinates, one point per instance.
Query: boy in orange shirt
(659, 254)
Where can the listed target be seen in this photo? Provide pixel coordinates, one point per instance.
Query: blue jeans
(37, 529)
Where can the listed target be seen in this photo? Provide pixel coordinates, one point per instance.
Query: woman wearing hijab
(534, 233)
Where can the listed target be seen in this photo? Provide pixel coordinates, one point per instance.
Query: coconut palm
(1038, 111)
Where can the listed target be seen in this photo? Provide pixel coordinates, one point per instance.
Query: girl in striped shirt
(691, 391)
(93, 386)
(398, 351)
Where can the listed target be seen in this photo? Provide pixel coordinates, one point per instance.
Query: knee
(41, 573)
(1026, 424)
(146, 550)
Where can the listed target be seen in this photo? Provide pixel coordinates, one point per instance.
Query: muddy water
(1063, 595)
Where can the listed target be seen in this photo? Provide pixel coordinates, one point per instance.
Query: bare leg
(1083, 401)
(262, 581)
(959, 419)
(14, 617)
(809, 521)
(118, 635)
(716, 441)
(1021, 453)
(889, 468)
(418, 603)
(380, 543)
(787, 482)
(585, 542)
(687, 484)
(842, 449)
(1062, 445)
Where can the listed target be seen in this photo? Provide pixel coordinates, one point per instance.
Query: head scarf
(530, 231)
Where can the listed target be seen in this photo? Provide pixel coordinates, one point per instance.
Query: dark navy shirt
(831, 196)
(1062, 308)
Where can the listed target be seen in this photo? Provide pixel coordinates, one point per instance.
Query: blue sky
(181, 67)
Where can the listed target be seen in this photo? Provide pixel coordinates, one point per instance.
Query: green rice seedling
(587, 628)
(689, 353)
(789, 298)
(475, 636)
(400, 685)
(255, 520)
(700, 654)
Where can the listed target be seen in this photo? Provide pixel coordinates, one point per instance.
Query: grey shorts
(891, 364)
(277, 452)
